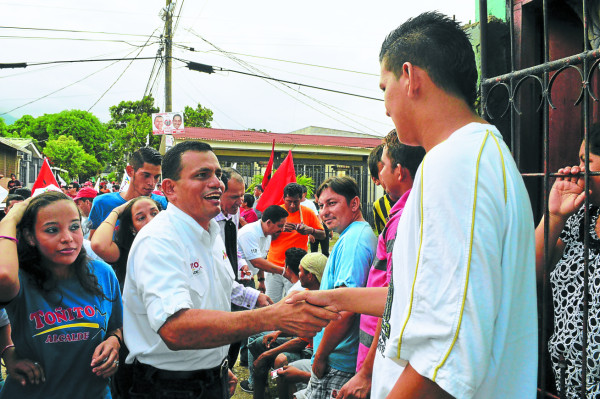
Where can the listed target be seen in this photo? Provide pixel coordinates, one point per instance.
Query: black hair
(145, 155)
(293, 256)
(304, 189)
(249, 200)
(229, 173)
(274, 213)
(13, 197)
(374, 159)
(260, 187)
(75, 185)
(343, 185)
(437, 44)
(30, 259)
(409, 157)
(23, 192)
(125, 234)
(292, 190)
(171, 164)
(178, 116)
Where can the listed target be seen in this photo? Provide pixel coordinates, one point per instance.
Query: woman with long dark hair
(132, 216)
(65, 310)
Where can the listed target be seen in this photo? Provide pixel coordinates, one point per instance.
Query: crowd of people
(160, 293)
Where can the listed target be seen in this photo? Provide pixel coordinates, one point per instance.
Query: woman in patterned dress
(566, 266)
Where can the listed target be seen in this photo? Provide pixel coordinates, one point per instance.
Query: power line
(250, 67)
(62, 88)
(72, 31)
(278, 59)
(195, 66)
(119, 77)
(70, 38)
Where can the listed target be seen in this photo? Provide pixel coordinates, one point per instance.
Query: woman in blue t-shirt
(65, 310)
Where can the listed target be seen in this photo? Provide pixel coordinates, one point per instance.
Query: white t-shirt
(253, 244)
(310, 205)
(474, 264)
(175, 264)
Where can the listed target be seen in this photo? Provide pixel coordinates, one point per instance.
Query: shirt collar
(193, 226)
(400, 203)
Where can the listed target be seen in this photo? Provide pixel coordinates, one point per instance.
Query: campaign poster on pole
(167, 123)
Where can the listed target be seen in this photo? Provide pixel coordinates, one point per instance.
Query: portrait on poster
(168, 123)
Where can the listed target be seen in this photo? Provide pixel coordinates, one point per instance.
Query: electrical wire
(69, 38)
(90, 60)
(252, 68)
(278, 59)
(62, 88)
(73, 31)
(121, 75)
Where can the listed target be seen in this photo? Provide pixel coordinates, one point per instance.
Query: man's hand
(358, 387)
(263, 301)
(289, 227)
(261, 361)
(262, 287)
(319, 366)
(314, 297)
(269, 338)
(293, 374)
(311, 238)
(232, 383)
(300, 318)
(304, 229)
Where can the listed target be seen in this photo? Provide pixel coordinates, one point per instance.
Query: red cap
(86, 192)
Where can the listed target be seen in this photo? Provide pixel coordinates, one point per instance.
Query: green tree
(65, 152)
(3, 128)
(129, 128)
(199, 117)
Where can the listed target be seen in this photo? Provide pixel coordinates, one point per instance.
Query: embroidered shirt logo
(195, 268)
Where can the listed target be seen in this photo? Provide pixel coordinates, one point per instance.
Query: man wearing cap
(83, 200)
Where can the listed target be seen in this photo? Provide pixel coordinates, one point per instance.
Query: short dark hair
(409, 157)
(274, 213)
(260, 187)
(292, 190)
(437, 44)
(177, 115)
(13, 197)
(343, 185)
(171, 163)
(249, 200)
(75, 185)
(145, 155)
(23, 192)
(304, 189)
(229, 173)
(374, 159)
(293, 256)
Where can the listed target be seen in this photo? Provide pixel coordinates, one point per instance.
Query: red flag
(45, 178)
(267, 176)
(285, 174)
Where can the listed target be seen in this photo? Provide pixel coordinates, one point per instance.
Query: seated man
(271, 350)
(255, 345)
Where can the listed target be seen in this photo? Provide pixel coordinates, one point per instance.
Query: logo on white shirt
(195, 268)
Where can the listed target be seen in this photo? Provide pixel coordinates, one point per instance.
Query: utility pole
(168, 56)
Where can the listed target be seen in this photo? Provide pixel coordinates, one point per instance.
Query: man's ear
(129, 170)
(355, 204)
(168, 187)
(413, 78)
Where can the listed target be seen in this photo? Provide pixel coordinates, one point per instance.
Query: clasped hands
(304, 314)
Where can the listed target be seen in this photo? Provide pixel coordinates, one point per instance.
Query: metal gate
(525, 102)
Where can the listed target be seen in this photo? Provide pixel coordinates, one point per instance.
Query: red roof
(245, 136)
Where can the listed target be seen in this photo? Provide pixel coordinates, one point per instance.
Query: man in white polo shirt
(180, 286)
(255, 239)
